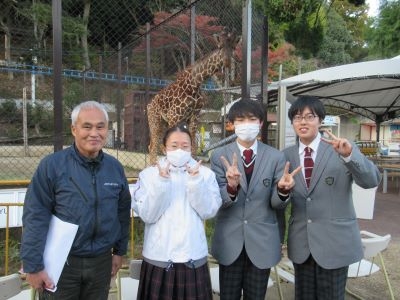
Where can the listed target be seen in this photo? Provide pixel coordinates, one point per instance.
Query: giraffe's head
(226, 42)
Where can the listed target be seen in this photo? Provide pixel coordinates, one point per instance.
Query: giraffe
(181, 101)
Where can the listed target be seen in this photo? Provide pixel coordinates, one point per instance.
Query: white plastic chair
(127, 286)
(373, 245)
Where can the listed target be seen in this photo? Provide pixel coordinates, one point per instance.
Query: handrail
(14, 183)
(26, 182)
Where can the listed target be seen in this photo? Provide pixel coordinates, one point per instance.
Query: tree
(165, 5)
(173, 39)
(304, 22)
(5, 23)
(84, 37)
(384, 36)
(336, 42)
(10, 18)
(283, 55)
(301, 23)
(356, 22)
(117, 21)
(39, 17)
(9, 112)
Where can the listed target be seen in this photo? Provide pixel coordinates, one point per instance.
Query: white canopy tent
(370, 89)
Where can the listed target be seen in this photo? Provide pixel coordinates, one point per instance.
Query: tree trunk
(86, 12)
(7, 52)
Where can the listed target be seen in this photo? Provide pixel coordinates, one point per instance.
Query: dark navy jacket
(91, 193)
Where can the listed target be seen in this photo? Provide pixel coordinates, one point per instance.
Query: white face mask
(247, 132)
(179, 157)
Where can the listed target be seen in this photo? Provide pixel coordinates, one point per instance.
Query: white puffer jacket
(173, 210)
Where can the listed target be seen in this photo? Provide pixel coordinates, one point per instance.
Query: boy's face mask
(247, 131)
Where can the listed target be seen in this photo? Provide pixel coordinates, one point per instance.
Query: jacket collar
(88, 161)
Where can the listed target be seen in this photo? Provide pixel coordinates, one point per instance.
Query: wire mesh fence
(120, 53)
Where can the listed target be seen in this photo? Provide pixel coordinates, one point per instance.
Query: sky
(373, 7)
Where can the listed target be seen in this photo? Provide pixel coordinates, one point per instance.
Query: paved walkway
(386, 213)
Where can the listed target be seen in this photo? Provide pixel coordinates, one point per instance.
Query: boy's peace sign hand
(341, 146)
(232, 172)
(286, 183)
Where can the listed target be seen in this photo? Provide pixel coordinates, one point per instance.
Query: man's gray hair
(87, 105)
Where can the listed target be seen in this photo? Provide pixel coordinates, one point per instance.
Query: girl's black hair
(313, 103)
(181, 127)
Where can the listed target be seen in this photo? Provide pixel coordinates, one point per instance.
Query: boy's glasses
(307, 118)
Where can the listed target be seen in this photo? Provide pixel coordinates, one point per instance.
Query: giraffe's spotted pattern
(182, 100)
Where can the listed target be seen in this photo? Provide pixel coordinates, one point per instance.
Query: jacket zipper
(87, 200)
(96, 204)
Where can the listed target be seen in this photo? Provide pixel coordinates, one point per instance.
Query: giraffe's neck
(207, 67)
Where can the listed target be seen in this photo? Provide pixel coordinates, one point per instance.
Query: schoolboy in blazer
(246, 240)
(324, 237)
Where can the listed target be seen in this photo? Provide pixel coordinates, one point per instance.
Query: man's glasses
(307, 118)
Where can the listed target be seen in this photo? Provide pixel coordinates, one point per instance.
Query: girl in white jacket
(173, 198)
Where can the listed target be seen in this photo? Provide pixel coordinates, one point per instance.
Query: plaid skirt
(177, 282)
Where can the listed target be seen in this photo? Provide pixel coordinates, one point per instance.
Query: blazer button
(245, 221)
(309, 221)
(308, 199)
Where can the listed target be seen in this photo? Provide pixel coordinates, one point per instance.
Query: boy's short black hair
(312, 102)
(181, 127)
(246, 108)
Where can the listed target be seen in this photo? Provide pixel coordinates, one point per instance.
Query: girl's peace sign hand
(232, 172)
(341, 146)
(163, 172)
(194, 170)
(286, 183)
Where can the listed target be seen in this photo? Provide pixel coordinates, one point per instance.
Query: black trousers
(83, 278)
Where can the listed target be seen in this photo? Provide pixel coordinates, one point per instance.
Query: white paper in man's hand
(58, 244)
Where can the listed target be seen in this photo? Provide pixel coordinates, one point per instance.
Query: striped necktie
(308, 165)
(248, 162)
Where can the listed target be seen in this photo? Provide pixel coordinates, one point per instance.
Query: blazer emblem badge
(266, 182)
(329, 180)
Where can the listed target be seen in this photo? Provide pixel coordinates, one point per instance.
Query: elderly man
(83, 186)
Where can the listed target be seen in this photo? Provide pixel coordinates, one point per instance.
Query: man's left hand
(116, 264)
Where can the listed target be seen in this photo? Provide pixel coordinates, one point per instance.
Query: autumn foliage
(173, 37)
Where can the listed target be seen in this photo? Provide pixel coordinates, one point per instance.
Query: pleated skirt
(178, 282)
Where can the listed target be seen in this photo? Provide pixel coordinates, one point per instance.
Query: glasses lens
(309, 117)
